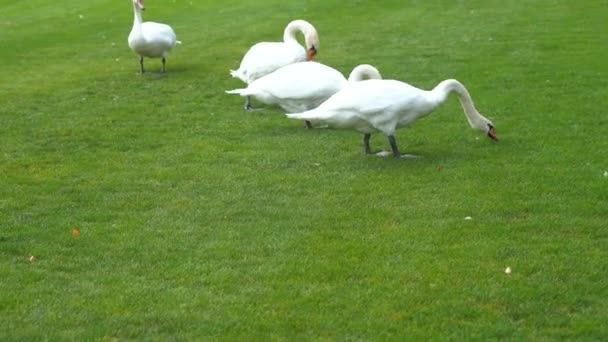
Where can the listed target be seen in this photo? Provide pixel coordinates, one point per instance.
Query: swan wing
(367, 106)
(266, 57)
(159, 33)
(153, 39)
(301, 80)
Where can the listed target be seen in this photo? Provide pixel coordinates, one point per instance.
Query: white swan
(385, 105)
(150, 39)
(302, 86)
(266, 57)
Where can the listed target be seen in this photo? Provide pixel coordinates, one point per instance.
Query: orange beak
(492, 134)
(311, 52)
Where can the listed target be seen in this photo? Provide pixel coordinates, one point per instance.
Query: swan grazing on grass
(266, 57)
(150, 39)
(302, 86)
(385, 105)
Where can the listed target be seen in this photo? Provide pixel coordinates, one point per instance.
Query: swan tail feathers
(237, 91)
(308, 115)
(239, 74)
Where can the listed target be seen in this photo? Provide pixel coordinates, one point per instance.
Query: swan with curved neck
(475, 119)
(364, 72)
(150, 39)
(311, 38)
(385, 105)
(266, 57)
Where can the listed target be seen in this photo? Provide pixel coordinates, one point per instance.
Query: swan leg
(141, 64)
(391, 140)
(308, 124)
(248, 107)
(164, 62)
(248, 104)
(368, 150)
(396, 153)
(366, 138)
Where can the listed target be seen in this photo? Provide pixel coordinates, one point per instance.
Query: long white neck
(364, 71)
(289, 35)
(440, 93)
(137, 19)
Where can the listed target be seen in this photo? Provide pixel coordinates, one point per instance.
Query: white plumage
(364, 71)
(302, 86)
(150, 39)
(385, 105)
(266, 57)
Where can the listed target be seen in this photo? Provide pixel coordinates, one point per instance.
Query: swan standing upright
(302, 86)
(150, 39)
(385, 105)
(265, 57)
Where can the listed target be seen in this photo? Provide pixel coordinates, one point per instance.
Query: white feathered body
(150, 39)
(296, 87)
(372, 105)
(266, 57)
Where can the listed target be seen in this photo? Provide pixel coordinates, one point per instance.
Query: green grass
(199, 220)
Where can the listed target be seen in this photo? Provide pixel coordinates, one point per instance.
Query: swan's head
(312, 44)
(311, 38)
(492, 132)
(310, 35)
(483, 124)
(139, 4)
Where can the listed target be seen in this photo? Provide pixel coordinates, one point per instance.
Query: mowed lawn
(198, 220)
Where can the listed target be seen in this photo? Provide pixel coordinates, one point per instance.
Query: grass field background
(199, 220)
